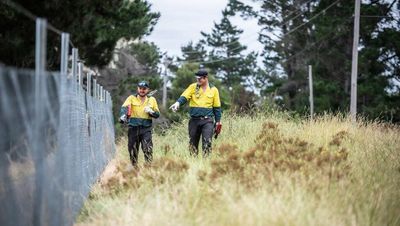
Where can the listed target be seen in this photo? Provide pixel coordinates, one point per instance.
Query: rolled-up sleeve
(124, 107)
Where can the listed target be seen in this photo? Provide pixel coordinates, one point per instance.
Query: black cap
(143, 84)
(201, 72)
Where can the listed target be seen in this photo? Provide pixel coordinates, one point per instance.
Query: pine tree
(333, 66)
(193, 52)
(300, 32)
(227, 57)
(283, 37)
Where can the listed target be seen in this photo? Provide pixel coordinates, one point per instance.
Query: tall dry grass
(264, 170)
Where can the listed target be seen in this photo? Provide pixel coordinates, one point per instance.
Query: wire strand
(288, 33)
(325, 38)
(312, 18)
(283, 22)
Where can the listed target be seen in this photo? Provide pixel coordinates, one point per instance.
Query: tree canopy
(299, 33)
(95, 27)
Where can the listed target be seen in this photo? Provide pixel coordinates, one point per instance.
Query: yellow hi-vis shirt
(202, 103)
(138, 116)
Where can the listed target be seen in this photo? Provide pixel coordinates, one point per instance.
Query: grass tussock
(275, 155)
(162, 170)
(264, 170)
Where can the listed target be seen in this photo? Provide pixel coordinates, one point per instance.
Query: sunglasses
(200, 77)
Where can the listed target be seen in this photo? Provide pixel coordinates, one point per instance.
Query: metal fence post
(98, 91)
(74, 63)
(80, 71)
(64, 53)
(94, 88)
(101, 93)
(40, 46)
(108, 98)
(40, 68)
(89, 84)
(311, 97)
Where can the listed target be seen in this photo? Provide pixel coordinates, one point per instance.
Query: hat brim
(201, 74)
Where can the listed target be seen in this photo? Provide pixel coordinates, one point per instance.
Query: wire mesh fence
(55, 140)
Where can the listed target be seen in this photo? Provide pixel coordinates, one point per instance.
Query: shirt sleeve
(186, 95)
(217, 106)
(154, 106)
(124, 107)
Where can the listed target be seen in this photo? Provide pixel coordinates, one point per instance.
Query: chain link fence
(55, 140)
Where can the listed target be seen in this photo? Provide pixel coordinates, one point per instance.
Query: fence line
(57, 135)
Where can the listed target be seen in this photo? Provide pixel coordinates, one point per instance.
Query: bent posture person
(138, 111)
(205, 107)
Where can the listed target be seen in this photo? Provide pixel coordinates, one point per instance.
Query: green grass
(264, 170)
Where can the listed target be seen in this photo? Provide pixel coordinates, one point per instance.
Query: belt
(139, 127)
(201, 117)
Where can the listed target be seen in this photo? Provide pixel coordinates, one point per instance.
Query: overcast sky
(182, 20)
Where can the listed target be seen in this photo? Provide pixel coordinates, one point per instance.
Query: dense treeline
(294, 34)
(299, 33)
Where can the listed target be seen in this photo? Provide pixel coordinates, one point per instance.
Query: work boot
(193, 151)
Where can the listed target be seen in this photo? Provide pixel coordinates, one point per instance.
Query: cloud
(182, 20)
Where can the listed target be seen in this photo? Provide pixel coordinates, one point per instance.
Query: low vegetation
(264, 170)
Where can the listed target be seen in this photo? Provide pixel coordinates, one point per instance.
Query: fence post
(74, 63)
(101, 93)
(108, 97)
(89, 84)
(80, 71)
(98, 91)
(94, 88)
(311, 98)
(64, 53)
(40, 68)
(40, 46)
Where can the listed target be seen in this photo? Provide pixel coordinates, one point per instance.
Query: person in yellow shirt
(138, 111)
(205, 107)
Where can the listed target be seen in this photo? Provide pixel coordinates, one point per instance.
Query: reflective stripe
(201, 112)
(182, 100)
(140, 122)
